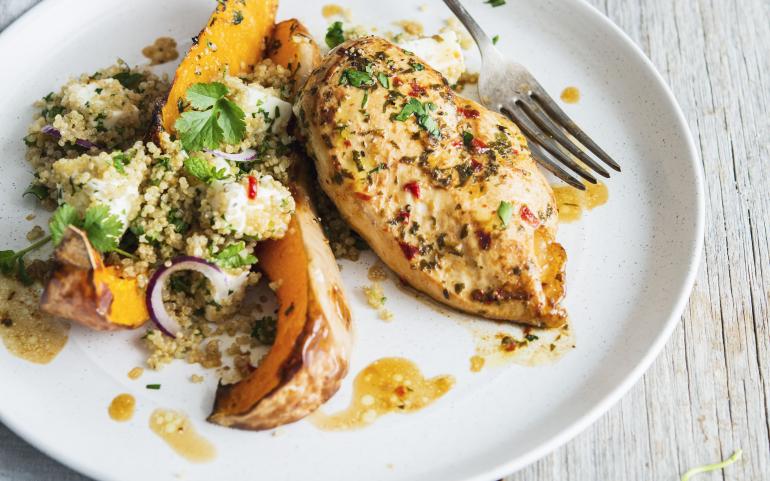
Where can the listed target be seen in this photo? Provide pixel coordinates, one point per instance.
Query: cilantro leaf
(129, 80)
(199, 130)
(231, 121)
(202, 170)
(356, 78)
(334, 35)
(468, 139)
(103, 228)
(429, 124)
(504, 212)
(204, 96)
(414, 106)
(64, 216)
(40, 192)
(119, 161)
(231, 256)
(7, 261)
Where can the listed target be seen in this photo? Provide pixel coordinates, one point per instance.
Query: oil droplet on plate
(477, 363)
(179, 433)
(26, 332)
(524, 346)
(572, 202)
(387, 385)
(570, 95)
(122, 407)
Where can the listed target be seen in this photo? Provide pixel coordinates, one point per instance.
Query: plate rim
(498, 469)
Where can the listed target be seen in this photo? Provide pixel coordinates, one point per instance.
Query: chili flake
(253, 186)
(528, 217)
(409, 250)
(413, 188)
(468, 113)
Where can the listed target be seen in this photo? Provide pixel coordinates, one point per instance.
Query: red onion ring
(221, 282)
(55, 133)
(244, 156)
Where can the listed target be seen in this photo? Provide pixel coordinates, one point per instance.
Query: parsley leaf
(199, 130)
(204, 96)
(129, 80)
(356, 78)
(231, 258)
(202, 170)
(496, 3)
(334, 35)
(231, 121)
(422, 111)
(504, 212)
(103, 228)
(64, 216)
(119, 161)
(214, 120)
(495, 39)
(264, 330)
(384, 80)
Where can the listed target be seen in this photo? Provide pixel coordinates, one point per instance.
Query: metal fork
(509, 88)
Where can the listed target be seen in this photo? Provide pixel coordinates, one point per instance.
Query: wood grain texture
(709, 391)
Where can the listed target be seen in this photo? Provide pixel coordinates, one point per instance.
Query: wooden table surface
(708, 393)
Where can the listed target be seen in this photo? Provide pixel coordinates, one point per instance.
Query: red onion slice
(244, 156)
(221, 282)
(54, 132)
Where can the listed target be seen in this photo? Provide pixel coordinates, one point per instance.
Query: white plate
(631, 267)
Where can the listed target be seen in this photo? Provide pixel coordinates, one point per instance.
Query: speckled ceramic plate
(631, 267)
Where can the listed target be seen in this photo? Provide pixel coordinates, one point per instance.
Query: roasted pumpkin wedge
(83, 290)
(311, 352)
(293, 47)
(233, 39)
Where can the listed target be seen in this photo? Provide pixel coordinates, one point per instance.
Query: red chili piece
(479, 146)
(253, 186)
(400, 391)
(363, 196)
(413, 188)
(347, 143)
(476, 165)
(417, 90)
(397, 82)
(529, 217)
(469, 113)
(403, 216)
(457, 143)
(485, 239)
(409, 250)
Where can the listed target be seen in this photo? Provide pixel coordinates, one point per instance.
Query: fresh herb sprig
(214, 120)
(505, 212)
(231, 257)
(103, 228)
(334, 35)
(204, 171)
(12, 262)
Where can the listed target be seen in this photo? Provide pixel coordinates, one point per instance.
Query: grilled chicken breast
(444, 190)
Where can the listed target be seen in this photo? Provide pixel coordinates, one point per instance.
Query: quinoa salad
(145, 198)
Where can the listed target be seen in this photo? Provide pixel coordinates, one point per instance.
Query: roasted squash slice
(293, 47)
(83, 290)
(311, 352)
(234, 39)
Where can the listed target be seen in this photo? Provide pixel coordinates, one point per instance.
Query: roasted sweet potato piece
(234, 39)
(83, 290)
(293, 47)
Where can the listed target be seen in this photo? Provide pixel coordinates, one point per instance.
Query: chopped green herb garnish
(176, 219)
(216, 118)
(63, 217)
(153, 386)
(264, 330)
(232, 257)
(422, 112)
(531, 337)
(356, 78)
(129, 80)
(334, 35)
(237, 17)
(119, 161)
(384, 80)
(495, 39)
(202, 170)
(505, 212)
(365, 100)
(468, 140)
(496, 3)
(39, 191)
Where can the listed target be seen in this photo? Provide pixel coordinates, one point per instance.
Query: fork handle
(483, 42)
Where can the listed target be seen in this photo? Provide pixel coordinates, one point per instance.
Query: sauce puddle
(572, 203)
(26, 332)
(179, 433)
(523, 346)
(570, 95)
(388, 385)
(122, 407)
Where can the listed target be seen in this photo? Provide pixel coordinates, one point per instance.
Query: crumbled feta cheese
(442, 52)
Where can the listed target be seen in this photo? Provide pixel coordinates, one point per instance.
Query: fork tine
(546, 124)
(542, 97)
(536, 135)
(544, 159)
